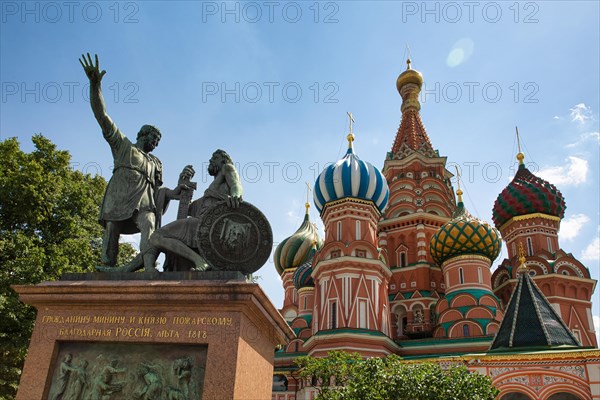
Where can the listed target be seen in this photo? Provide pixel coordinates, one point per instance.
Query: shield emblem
(235, 239)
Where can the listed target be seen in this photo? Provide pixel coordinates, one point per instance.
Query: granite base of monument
(172, 336)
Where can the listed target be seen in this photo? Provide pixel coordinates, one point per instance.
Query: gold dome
(409, 76)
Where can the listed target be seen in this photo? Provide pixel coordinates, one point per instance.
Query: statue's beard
(213, 169)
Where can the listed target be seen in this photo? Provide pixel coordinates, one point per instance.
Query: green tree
(347, 376)
(48, 226)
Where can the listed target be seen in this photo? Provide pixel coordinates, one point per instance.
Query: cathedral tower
(465, 248)
(529, 211)
(351, 310)
(421, 201)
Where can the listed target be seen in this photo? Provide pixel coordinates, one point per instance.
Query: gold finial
(408, 57)
(350, 136)
(522, 266)
(459, 192)
(308, 190)
(520, 155)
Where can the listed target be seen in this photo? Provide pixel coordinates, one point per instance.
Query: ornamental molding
(529, 216)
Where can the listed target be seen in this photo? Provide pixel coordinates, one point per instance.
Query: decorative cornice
(528, 216)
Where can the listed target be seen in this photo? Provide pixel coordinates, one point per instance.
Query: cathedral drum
(235, 239)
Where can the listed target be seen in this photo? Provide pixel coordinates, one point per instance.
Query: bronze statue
(180, 236)
(134, 199)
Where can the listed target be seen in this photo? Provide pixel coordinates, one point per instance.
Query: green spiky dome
(298, 248)
(465, 234)
(302, 276)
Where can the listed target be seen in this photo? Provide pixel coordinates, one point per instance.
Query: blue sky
(270, 82)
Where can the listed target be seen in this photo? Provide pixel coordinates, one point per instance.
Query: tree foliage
(48, 226)
(346, 376)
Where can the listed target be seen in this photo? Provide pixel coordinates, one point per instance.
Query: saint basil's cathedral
(405, 269)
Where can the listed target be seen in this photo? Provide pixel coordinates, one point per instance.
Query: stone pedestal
(201, 338)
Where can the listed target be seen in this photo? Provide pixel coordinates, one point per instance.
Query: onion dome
(527, 194)
(302, 276)
(464, 234)
(351, 177)
(409, 76)
(298, 248)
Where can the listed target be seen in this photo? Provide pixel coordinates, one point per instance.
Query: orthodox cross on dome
(459, 192)
(308, 190)
(520, 155)
(408, 61)
(351, 134)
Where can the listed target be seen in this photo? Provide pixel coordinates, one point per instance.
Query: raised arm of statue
(96, 99)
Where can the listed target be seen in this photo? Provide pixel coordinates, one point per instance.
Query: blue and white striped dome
(351, 177)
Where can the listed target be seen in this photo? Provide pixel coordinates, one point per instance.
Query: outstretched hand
(92, 71)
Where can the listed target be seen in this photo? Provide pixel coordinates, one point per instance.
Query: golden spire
(522, 266)
(459, 192)
(308, 190)
(520, 155)
(350, 136)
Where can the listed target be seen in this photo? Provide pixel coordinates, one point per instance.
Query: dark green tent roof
(530, 321)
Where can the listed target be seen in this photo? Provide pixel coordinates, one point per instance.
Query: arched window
(402, 260)
(563, 396)
(333, 315)
(549, 244)
(358, 236)
(479, 275)
(529, 247)
(466, 330)
(339, 230)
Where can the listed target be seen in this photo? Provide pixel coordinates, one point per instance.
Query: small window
(333, 315)
(413, 284)
(361, 253)
(362, 314)
(529, 247)
(549, 244)
(433, 284)
(403, 286)
(461, 276)
(358, 236)
(565, 272)
(442, 285)
(403, 259)
(479, 275)
(466, 330)
(339, 230)
(532, 272)
(335, 253)
(392, 286)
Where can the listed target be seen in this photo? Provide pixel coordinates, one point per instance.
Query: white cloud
(584, 138)
(596, 319)
(570, 227)
(556, 117)
(581, 113)
(574, 172)
(592, 252)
